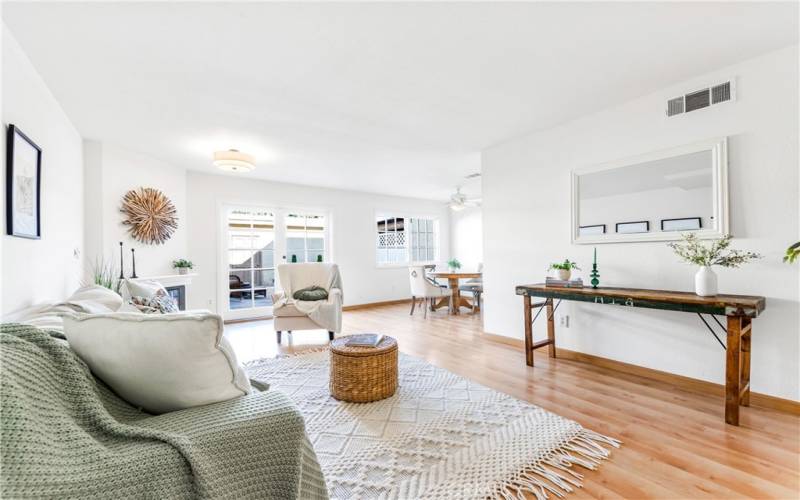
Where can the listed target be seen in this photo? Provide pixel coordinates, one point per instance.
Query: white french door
(256, 240)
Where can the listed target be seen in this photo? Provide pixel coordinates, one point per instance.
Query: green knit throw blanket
(67, 435)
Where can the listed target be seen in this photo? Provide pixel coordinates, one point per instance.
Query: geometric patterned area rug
(439, 436)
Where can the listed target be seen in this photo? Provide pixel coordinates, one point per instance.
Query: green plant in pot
(718, 253)
(182, 265)
(564, 269)
(454, 265)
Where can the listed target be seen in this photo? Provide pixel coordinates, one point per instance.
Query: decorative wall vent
(700, 99)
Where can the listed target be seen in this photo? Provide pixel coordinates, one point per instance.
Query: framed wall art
(685, 224)
(23, 185)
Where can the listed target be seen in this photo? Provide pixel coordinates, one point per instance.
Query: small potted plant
(182, 265)
(454, 265)
(564, 269)
(691, 250)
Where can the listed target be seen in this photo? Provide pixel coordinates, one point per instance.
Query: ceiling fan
(459, 201)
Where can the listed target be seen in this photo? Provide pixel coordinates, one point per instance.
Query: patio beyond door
(257, 239)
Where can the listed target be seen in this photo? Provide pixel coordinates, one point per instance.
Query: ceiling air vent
(700, 99)
(721, 93)
(675, 106)
(697, 100)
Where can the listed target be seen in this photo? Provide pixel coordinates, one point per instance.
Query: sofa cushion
(143, 288)
(94, 299)
(160, 363)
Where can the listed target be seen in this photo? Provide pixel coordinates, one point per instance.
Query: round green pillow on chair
(311, 293)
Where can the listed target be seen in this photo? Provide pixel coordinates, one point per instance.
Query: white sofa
(290, 314)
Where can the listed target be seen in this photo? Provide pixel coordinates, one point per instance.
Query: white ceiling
(396, 98)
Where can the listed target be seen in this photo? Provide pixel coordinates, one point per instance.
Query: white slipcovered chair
(291, 314)
(423, 289)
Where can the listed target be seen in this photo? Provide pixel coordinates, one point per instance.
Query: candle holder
(595, 274)
(121, 263)
(133, 261)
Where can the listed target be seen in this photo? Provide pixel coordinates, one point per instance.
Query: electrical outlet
(564, 321)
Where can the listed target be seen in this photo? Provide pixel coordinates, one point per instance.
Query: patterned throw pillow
(160, 303)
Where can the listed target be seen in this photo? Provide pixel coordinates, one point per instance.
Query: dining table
(456, 300)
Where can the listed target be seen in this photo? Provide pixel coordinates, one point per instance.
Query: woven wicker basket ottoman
(363, 374)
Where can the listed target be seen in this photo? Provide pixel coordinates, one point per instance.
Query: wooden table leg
(444, 301)
(733, 370)
(455, 296)
(528, 331)
(551, 329)
(747, 328)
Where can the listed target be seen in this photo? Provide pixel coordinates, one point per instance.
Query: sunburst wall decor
(150, 215)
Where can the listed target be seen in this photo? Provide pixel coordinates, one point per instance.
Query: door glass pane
(240, 279)
(240, 300)
(295, 243)
(315, 241)
(251, 242)
(262, 297)
(239, 259)
(264, 278)
(264, 258)
(305, 237)
(239, 238)
(316, 256)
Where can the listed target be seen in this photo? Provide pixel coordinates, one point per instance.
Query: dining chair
(422, 288)
(475, 287)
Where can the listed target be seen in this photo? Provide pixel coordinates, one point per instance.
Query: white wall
(352, 222)
(111, 171)
(45, 269)
(526, 207)
(466, 237)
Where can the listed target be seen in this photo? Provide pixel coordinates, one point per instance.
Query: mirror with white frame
(653, 197)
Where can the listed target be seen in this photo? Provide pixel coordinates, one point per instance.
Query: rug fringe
(554, 474)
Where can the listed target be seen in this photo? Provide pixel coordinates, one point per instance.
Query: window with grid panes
(406, 240)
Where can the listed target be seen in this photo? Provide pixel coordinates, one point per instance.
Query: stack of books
(557, 283)
(365, 340)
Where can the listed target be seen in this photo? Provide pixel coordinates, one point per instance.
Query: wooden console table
(739, 310)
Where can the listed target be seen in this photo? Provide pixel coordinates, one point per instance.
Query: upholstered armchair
(292, 314)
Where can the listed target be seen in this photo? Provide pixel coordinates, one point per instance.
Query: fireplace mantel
(169, 279)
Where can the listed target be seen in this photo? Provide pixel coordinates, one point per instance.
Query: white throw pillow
(94, 299)
(160, 363)
(143, 288)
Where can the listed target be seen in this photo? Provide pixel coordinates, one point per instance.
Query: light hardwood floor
(675, 442)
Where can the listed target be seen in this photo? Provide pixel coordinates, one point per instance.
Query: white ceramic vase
(705, 282)
(183, 270)
(564, 274)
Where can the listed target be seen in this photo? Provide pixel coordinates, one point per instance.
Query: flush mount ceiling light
(234, 160)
